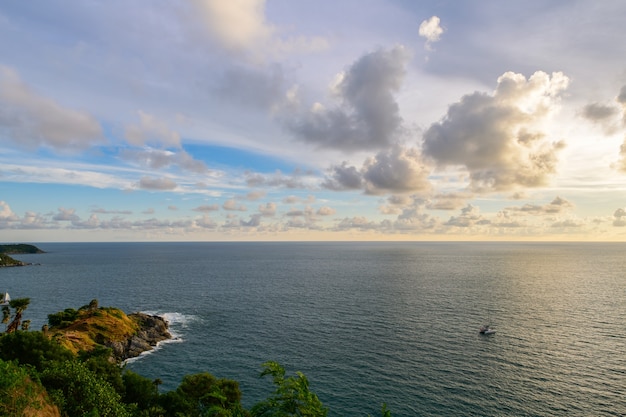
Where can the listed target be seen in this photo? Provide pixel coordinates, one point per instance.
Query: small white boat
(486, 330)
(5, 299)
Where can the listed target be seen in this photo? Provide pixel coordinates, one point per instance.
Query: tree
(19, 305)
(204, 395)
(291, 398)
(78, 391)
(139, 390)
(32, 348)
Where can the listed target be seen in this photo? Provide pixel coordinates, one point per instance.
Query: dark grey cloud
(598, 112)
(343, 177)
(367, 116)
(396, 170)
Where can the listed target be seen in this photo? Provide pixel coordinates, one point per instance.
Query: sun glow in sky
(312, 120)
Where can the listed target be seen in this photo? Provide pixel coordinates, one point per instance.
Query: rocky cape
(152, 331)
(92, 327)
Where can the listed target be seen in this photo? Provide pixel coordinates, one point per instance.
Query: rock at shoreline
(152, 330)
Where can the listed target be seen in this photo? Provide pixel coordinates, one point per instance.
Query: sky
(252, 120)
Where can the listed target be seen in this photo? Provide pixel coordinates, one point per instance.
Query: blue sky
(312, 120)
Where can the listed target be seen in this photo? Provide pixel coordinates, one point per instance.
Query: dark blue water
(368, 323)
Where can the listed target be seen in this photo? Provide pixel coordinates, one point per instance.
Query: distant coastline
(19, 248)
(15, 249)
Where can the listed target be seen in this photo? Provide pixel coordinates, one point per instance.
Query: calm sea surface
(367, 323)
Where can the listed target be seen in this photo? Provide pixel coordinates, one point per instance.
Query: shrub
(78, 391)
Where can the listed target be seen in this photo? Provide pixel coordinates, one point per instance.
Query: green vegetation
(65, 370)
(6, 260)
(5, 250)
(19, 248)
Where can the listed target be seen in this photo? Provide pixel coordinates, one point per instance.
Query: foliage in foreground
(40, 376)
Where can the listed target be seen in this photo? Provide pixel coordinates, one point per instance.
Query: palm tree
(19, 305)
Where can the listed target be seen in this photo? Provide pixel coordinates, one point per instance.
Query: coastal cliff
(152, 330)
(92, 327)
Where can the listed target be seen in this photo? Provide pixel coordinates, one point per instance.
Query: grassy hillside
(22, 396)
(90, 326)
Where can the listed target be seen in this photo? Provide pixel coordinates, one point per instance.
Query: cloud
(255, 195)
(151, 130)
(611, 117)
(343, 177)
(619, 218)
(160, 159)
(103, 211)
(558, 205)
(470, 216)
(367, 116)
(6, 215)
(621, 164)
(431, 30)
(31, 120)
(267, 210)
(397, 170)
(598, 112)
(157, 184)
(325, 211)
(278, 179)
(237, 24)
(206, 208)
(240, 26)
(451, 201)
(498, 138)
(231, 205)
(621, 97)
(65, 215)
(567, 224)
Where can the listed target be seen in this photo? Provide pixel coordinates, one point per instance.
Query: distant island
(15, 249)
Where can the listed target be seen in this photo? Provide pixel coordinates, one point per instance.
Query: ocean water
(367, 323)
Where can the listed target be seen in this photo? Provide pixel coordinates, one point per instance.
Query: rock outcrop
(152, 330)
(91, 327)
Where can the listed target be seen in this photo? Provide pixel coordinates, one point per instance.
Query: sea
(367, 323)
